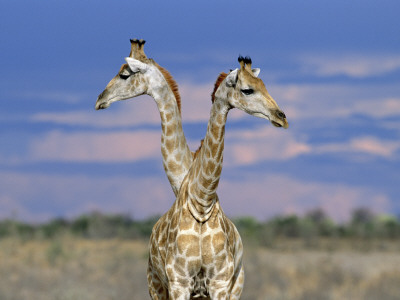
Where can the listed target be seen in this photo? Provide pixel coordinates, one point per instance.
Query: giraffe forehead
(256, 83)
(123, 68)
(248, 77)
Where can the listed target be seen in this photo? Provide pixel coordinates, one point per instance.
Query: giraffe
(195, 250)
(141, 75)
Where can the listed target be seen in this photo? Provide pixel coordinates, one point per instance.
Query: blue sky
(333, 67)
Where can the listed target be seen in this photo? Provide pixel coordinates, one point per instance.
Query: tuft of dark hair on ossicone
(247, 60)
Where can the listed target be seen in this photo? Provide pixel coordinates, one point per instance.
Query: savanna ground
(69, 267)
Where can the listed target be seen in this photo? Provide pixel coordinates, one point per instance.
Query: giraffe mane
(198, 149)
(220, 78)
(172, 84)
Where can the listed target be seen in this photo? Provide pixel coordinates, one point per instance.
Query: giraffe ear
(232, 77)
(256, 71)
(136, 65)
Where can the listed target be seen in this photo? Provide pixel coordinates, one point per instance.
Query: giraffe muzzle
(280, 119)
(101, 105)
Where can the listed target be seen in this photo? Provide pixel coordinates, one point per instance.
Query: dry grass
(322, 275)
(71, 268)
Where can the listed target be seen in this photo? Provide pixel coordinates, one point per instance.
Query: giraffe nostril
(281, 115)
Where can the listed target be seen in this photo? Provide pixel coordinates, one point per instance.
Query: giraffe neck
(206, 169)
(177, 157)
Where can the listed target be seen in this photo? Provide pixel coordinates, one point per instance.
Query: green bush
(313, 226)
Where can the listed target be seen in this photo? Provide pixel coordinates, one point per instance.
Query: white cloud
(196, 101)
(392, 125)
(243, 146)
(266, 196)
(380, 108)
(96, 147)
(251, 146)
(39, 197)
(331, 102)
(313, 101)
(366, 144)
(374, 146)
(265, 143)
(142, 110)
(356, 65)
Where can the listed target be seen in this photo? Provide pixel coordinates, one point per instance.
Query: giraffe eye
(247, 91)
(124, 76)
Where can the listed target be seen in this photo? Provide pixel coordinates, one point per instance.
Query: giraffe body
(195, 250)
(190, 259)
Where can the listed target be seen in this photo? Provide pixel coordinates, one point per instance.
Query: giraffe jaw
(284, 125)
(278, 123)
(261, 115)
(104, 103)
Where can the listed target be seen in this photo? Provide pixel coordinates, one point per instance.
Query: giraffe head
(244, 90)
(140, 75)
